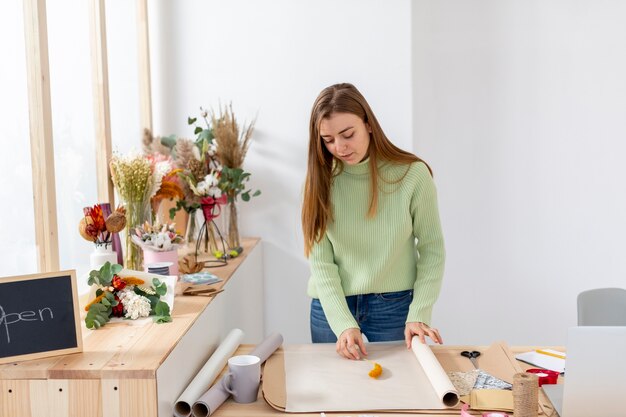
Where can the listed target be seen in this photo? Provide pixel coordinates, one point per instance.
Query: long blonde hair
(322, 166)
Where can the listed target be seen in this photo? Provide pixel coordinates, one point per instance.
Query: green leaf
(162, 312)
(94, 277)
(197, 130)
(153, 302)
(116, 268)
(191, 121)
(206, 135)
(97, 316)
(109, 296)
(162, 319)
(98, 292)
(245, 196)
(169, 141)
(162, 308)
(256, 193)
(159, 287)
(106, 302)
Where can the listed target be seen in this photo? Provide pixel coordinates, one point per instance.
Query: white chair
(602, 307)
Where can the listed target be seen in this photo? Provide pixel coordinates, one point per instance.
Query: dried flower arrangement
(232, 147)
(142, 182)
(127, 297)
(93, 227)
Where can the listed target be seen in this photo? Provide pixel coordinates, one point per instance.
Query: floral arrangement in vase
(217, 153)
(157, 237)
(127, 297)
(94, 227)
(232, 143)
(142, 182)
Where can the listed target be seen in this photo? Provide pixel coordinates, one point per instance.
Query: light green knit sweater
(399, 249)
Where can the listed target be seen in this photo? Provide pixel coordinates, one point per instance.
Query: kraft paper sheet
(211, 369)
(320, 380)
(322, 373)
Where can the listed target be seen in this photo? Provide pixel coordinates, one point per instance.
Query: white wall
(273, 58)
(520, 108)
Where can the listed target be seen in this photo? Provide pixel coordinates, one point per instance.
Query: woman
(371, 229)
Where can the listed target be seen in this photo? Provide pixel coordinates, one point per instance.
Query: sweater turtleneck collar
(361, 168)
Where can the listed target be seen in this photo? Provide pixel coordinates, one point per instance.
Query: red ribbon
(211, 206)
(545, 376)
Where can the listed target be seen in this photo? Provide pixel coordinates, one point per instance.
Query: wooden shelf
(123, 363)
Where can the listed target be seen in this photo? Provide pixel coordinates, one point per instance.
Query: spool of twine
(525, 395)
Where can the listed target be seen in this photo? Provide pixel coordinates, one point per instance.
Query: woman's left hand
(417, 328)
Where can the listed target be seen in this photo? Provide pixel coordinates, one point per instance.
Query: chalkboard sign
(39, 316)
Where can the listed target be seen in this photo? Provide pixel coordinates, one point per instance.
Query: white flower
(162, 241)
(212, 149)
(202, 187)
(211, 179)
(135, 305)
(214, 192)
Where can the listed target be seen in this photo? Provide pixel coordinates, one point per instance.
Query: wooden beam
(143, 52)
(41, 143)
(102, 114)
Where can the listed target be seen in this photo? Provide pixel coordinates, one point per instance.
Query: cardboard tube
(205, 377)
(214, 397)
(435, 372)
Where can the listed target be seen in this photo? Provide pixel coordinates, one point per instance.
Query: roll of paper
(205, 377)
(214, 397)
(438, 378)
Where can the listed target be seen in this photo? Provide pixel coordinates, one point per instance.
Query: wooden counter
(261, 409)
(139, 368)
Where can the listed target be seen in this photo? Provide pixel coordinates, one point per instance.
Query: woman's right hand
(350, 344)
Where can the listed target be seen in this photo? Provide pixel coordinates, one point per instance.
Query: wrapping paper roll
(214, 397)
(205, 377)
(438, 378)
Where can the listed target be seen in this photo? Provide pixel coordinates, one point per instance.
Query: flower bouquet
(127, 297)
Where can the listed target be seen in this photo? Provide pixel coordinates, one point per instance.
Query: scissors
(471, 355)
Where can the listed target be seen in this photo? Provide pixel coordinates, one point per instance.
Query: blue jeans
(381, 317)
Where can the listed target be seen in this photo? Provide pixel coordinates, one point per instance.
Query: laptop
(595, 373)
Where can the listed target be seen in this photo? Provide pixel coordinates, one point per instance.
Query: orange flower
(133, 281)
(97, 223)
(95, 301)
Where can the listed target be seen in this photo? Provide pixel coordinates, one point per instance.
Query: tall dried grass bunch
(232, 145)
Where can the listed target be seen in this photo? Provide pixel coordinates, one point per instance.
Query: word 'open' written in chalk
(7, 319)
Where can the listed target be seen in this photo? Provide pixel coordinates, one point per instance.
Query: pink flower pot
(150, 257)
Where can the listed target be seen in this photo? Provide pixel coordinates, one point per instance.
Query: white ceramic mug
(243, 378)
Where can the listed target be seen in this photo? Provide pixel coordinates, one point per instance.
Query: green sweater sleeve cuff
(325, 274)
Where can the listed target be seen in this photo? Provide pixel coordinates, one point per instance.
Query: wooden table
(129, 369)
(261, 409)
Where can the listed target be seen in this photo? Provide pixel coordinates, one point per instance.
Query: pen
(553, 354)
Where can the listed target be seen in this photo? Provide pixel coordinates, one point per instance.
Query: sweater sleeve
(430, 247)
(325, 274)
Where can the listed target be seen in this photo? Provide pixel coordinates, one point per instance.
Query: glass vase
(231, 225)
(194, 223)
(137, 212)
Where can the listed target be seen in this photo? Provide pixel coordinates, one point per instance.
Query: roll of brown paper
(214, 397)
(525, 395)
